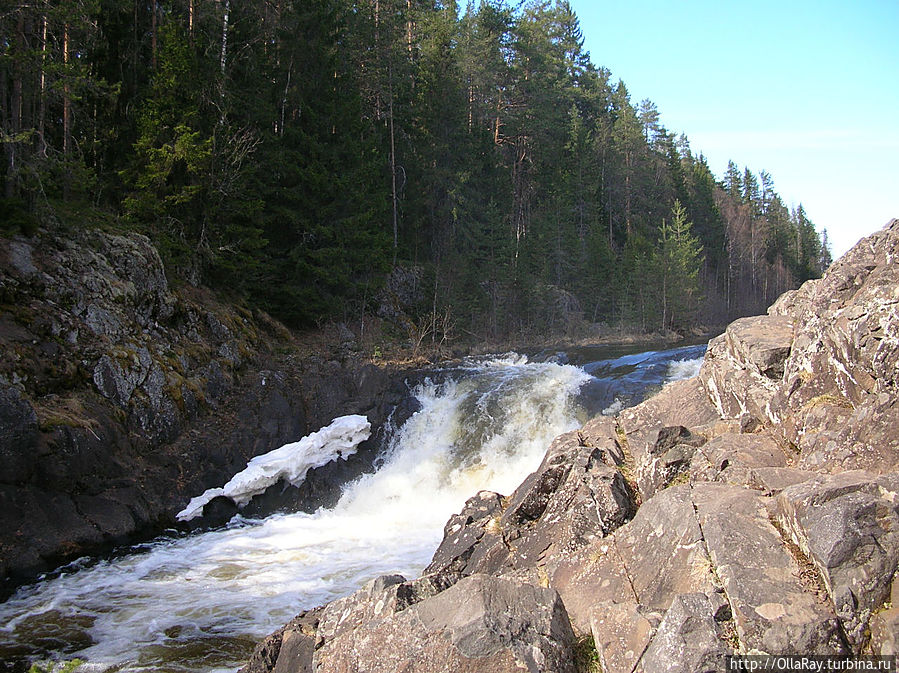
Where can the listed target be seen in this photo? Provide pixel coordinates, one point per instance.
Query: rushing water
(199, 602)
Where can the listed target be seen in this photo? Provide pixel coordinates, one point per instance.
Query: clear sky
(806, 90)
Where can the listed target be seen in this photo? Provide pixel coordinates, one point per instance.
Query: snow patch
(290, 462)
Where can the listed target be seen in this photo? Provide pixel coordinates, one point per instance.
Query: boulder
(775, 611)
(743, 367)
(573, 498)
(480, 623)
(848, 525)
(289, 649)
(465, 531)
(687, 640)
(683, 403)
(670, 457)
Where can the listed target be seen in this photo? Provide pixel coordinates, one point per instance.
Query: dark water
(623, 380)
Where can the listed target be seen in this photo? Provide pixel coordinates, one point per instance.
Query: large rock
(647, 562)
(838, 403)
(289, 649)
(774, 610)
(688, 640)
(848, 525)
(743, 367)
(576, 496)
(480, 624)
(736, 458)
(680, 404)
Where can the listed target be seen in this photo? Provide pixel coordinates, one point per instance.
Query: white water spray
(198, 603)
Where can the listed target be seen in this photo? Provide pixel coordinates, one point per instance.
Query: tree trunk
(9, 182)
(224, 52)
(42, 104)
(66, 113)
(153, 34)
(393, 164)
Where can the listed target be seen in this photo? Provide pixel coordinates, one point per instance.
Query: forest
(464, 170)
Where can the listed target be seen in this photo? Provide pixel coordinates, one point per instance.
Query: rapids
(199, 602)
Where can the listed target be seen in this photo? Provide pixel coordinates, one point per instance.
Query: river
(200, 602)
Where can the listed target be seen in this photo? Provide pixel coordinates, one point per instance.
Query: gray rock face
(774, 612)
(688, 638)
(121, 399)
(744, 366)
(481, 623)
(646, 562)
(838, 404)
(739, 459)
(288, 650)
(574, 497)
(848, 525)
(680, 404)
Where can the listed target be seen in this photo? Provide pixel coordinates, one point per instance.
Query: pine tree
(676, 264)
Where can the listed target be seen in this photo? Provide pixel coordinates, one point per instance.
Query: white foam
(291, 462)
(177, 606)
(683, 369)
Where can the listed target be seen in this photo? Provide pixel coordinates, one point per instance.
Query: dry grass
(53, 412)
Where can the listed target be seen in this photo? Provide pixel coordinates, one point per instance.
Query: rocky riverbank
(752, 509)
(121, 397)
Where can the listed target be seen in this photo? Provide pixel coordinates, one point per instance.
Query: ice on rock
(291, 462)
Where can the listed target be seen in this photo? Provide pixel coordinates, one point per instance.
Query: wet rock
(112, 520)
(50, 523)
(218, 511)
(18, 436)
(848, 525)
(481, 623)
(289, 649)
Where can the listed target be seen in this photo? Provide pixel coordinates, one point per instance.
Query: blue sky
(808, 91)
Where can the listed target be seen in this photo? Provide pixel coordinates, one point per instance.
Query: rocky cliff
(121, 397)
(753, 509)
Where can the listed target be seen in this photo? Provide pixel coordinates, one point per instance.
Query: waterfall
(200, 602)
